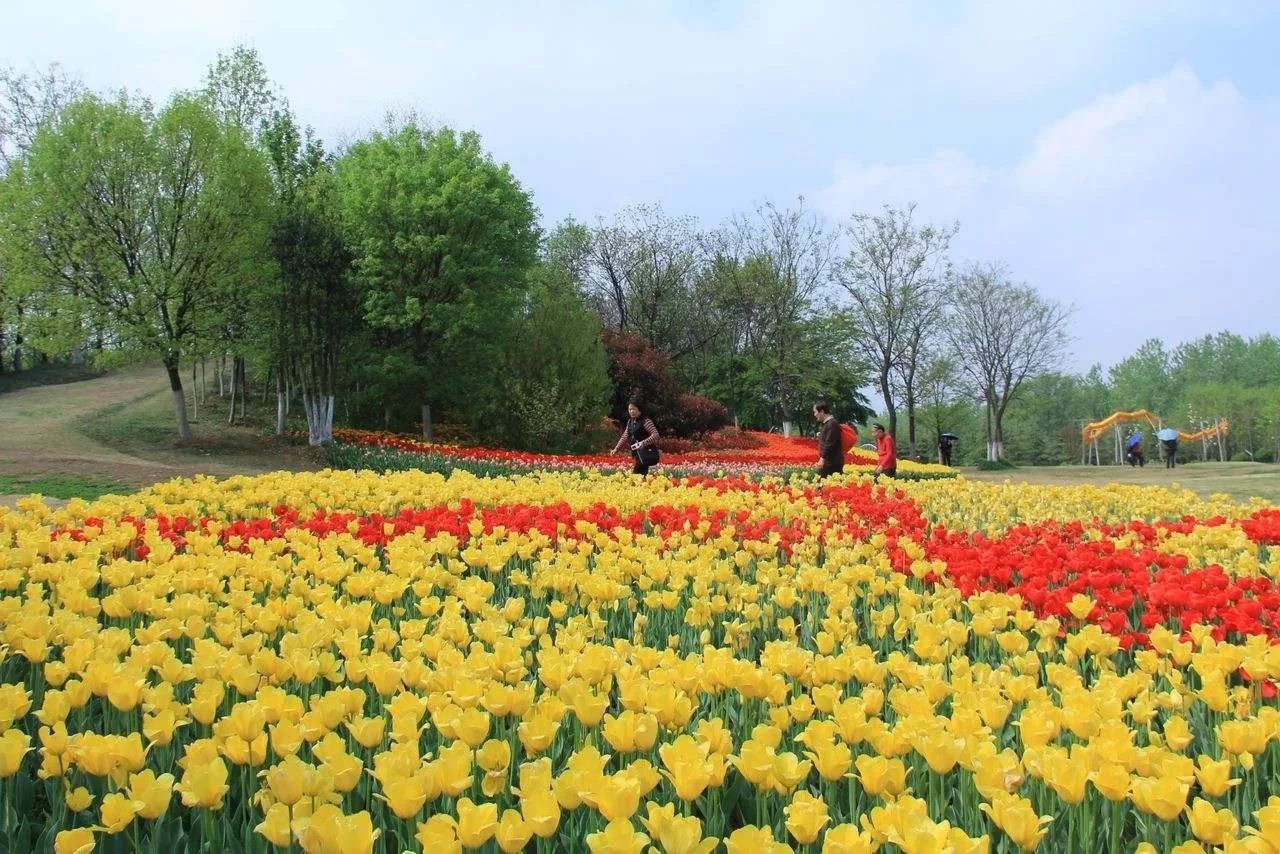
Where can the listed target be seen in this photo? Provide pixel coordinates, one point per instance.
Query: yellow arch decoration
(1092, 432)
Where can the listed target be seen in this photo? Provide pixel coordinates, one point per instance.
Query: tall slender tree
(894, 275)
(1003, 334)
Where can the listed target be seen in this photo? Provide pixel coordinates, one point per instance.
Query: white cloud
(1154, 210)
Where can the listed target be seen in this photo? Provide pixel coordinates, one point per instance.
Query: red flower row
(1135, 586)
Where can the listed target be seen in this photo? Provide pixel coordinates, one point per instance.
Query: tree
(555, 375)
(941, 389)
(768, 269)
(314, 300)
(1003, 334)
(239, 89)
(140, 223)
(1144, 380)
(640, 272)
(894, 274)
(443, 238)
(27, 104)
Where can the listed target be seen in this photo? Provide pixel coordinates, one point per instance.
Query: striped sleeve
(652, 438)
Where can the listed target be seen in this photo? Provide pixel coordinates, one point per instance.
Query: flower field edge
(353, 661)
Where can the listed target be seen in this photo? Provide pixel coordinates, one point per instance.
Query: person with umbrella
(1134, 454)
(1168, 446)
(945, 442)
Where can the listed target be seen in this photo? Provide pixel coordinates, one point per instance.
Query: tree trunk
(195, 395)
(244, 387)
(991, 444)
(428, 431)
(911, 421)
(179, 400)
(282, 402)
(319, 410)
(890, 410)
(997, 444)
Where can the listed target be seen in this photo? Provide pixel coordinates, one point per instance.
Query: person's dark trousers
(828, 471)
(893, 472)
(946, 458)
(640, 469)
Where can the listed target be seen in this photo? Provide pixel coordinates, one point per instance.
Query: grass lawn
(63, 486)
(1241, 481)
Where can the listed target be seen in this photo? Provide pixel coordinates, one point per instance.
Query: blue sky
(1122, 157)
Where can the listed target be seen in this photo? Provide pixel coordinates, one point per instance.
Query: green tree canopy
(443, 238)
(140, 224)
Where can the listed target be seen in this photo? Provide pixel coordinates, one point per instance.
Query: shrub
(637, 370)
(696, 414)
(995, 465)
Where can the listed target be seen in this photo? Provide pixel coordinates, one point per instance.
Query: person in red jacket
(886, 452)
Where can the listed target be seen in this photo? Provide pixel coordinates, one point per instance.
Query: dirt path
(40, 435)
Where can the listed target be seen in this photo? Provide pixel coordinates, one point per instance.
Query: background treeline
(403, 281)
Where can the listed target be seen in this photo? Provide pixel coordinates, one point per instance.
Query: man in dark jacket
(830, 448)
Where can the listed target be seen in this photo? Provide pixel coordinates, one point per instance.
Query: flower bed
(770, 454)
(565, 660)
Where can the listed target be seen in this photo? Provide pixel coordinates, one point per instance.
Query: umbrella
(951, 436)
(1168, 434)
(1135, 439)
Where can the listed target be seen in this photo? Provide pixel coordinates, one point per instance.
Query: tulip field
(580, 659)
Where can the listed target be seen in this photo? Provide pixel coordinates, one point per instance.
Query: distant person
(641, 436)
(944, 450)
(1169, 452)
(830, 441)
(1135, 455)
(886, 452)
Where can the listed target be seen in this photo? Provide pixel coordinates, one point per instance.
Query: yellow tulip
(454, 766)
(368, 732)
(1209, 825)
(439, 833)
(754, 840)
(1164, 797)
(78, 799)
(476, 823)
(618, 837)
(848, 839)
(328, 829)
(13, 746)
(204, 785)
(1214, 776)
(152, 792)
(78, 841)
(1068, 779)
(687, 766)
(676, 834)
(881, 776)
(630, 731)
(274, 826)
(806, 816)
(513, 832)
(1018, 819)
(117, 811)
(615, 796)
(1112, 781)
(541, 810)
